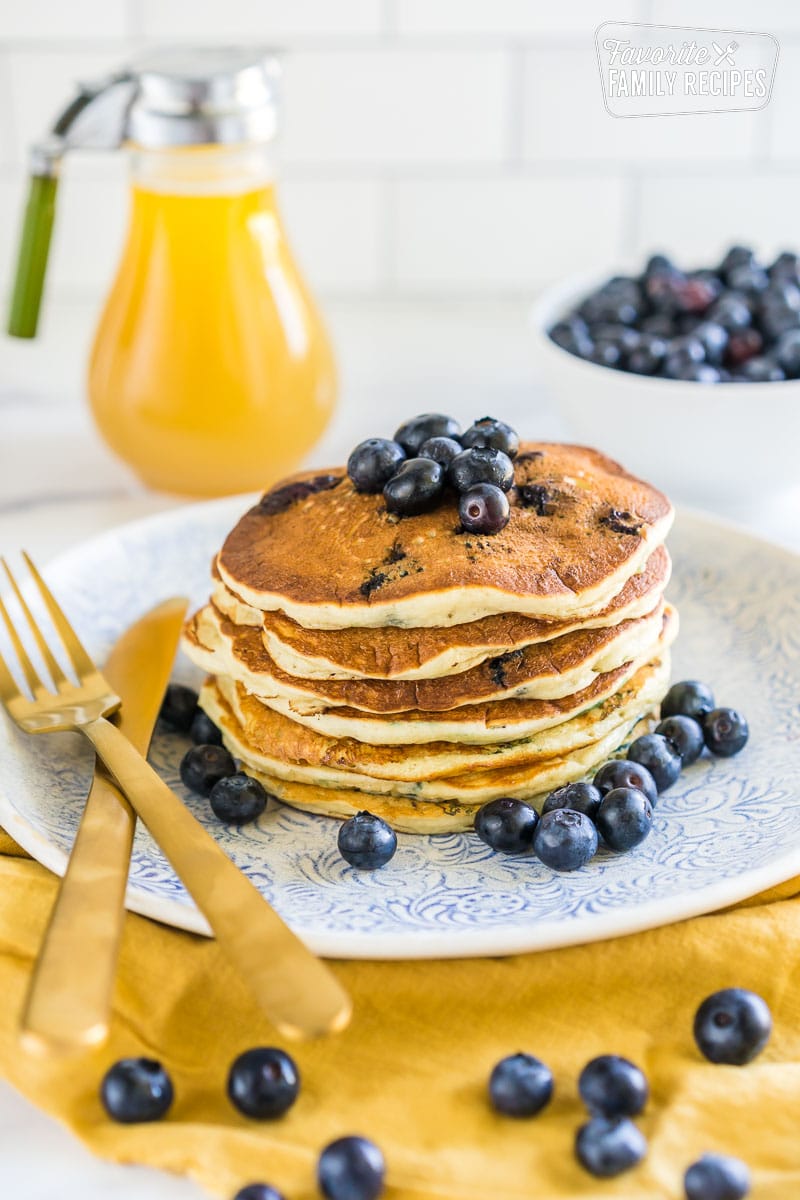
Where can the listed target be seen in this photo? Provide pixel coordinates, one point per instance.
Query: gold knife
(68, 1005)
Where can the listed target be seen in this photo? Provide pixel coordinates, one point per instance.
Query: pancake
(428, 652)
(280, 742)
(471, 788)
(545, 670)
(330, 557)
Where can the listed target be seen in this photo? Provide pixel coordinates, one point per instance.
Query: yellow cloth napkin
(411, 1071)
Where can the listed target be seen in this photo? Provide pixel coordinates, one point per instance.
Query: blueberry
(737, 256)
(178, 708)
(203, 731)
(366, 841)
(484, 509)
(717, 1177)
(441, 449)
(565, 840)
(714, 339)
(238, 799)
(203, 766)
(258, 1191)
(373, 463)
(648, 356)
(662, 289)
(611, 1086)
(608, 307)
(507, 825)
(625, 818)
(783, 293)
(748, 279)
(607, 1146)
(605, 354)
(572, 335)
(136, 1089)
(732, 1026)
(695, 294)
(685, 734)
(660, 325)
(580, 797)
(494, 434)
(725, 731)
(625, 338)
(416, 488)
(351, 1168)
(697, 373)
(787, 353)
(689, 698)
(683, 352)
(419, 429)
(263, 1083)
(658, 263)
(620, 773)
(731, 311)
(662, 760)
(761, 369)
(786, 266)
(777, 319)
(520, 1086)
(745, 344)
(481, 464)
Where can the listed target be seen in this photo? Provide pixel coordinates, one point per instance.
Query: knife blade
(68, 1005)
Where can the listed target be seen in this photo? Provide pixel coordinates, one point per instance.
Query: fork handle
(297, 992)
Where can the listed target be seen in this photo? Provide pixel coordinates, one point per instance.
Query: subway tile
(520, 18)
(389, 107)
(271, 20)
(77, 20)
(696, 218)
(42, 84)
(565, 120)
(503, 234)
(767, 16)
(335, 230)
(783, 142)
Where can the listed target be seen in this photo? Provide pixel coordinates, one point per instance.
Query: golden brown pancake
(416, 814)
(330, 557)
(428, 652)
(544, 670)
(279, 740)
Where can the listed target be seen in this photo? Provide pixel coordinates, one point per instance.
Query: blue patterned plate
(726, 830)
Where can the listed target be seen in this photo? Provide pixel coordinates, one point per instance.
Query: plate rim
(496, 941)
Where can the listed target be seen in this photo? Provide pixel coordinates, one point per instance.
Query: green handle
(34, 246)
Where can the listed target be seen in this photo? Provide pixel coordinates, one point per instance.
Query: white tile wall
(479, 234)
(443, 147)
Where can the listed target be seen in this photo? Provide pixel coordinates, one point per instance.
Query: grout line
(631, 216)
(387, 255)
(516, 117)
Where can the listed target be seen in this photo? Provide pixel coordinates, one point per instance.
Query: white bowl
(727, 446)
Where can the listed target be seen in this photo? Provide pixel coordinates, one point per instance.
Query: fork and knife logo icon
(725, 55)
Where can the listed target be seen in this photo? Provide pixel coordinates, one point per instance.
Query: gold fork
(295, 990)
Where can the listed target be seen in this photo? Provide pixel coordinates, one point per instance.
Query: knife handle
(69, 998)
(296, 991)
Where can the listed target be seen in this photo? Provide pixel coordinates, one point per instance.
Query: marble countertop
(59, 485)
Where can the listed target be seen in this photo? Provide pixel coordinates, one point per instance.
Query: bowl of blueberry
(690, 376)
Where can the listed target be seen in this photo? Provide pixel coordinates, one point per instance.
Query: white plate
(727, 829)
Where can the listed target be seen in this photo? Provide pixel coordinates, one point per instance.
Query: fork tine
(33, 680)
(56, 674)
(77, 655)
(8, 686)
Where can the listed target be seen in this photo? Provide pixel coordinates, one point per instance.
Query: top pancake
(331, 558)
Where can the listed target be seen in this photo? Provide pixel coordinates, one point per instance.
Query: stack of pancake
(358, 660)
